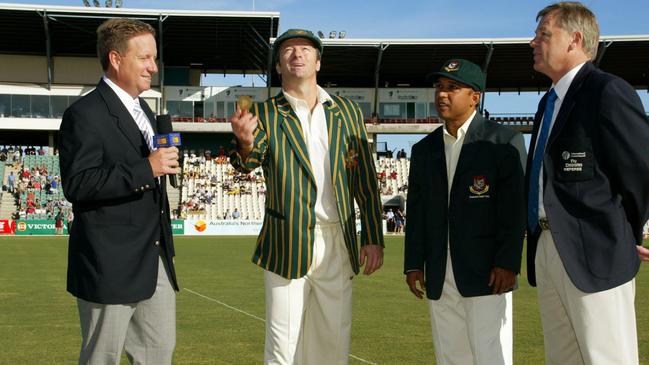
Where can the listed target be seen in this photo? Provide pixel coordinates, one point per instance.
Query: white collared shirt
(316, 136)
(128, 101)
(561, 89)
(452, 149)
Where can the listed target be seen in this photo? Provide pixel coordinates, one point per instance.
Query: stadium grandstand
(53, 63)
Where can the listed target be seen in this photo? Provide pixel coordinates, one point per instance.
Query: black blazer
(596, 181)
(121, 212)
(484, 220)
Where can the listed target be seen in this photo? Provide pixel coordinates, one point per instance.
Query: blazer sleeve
(85, 175)
(260, 146)
(510, 206)
(415, 244)
(624, 134)
(366, 191)
(519, 144)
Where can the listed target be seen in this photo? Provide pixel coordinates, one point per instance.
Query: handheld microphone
(166, 138)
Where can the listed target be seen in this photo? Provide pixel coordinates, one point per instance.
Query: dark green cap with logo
(463, 71)
(296, 33)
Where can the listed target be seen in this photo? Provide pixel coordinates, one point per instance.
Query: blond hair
(573, 17)
(114, 34)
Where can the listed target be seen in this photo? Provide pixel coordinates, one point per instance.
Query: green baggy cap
(463, 71)
(296, 33)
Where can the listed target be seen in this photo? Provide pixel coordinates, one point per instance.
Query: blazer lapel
(436, 158)
(150, 114)
(123, 118)
(474, 133)
(290, 123)
(335, 129)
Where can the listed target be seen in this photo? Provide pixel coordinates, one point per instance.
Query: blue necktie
(537, 161)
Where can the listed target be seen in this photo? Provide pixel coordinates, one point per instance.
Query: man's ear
(577, 41)
(114, 59)
(476, 97)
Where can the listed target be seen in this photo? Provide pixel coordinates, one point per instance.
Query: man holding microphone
(120, 256)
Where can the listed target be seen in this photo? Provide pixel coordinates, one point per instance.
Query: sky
(415, 19)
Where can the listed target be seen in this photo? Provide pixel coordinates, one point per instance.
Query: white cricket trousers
(309, 320)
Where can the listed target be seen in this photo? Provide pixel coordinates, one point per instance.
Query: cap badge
(452, 66)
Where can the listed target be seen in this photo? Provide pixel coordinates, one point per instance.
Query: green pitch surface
(221, 308)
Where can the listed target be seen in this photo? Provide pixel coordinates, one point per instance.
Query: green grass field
(222, 291)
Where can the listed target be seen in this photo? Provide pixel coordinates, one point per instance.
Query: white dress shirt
(452, 149)
(316, 136)
(128, 102)
(561, 89)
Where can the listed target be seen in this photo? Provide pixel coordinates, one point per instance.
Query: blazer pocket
(274, 213)
(573, 159)
(109, 216)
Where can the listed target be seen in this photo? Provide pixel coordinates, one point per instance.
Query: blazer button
(146, 186)
(157, 243)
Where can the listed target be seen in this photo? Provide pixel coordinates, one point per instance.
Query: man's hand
(374, 256)
(412, 277)
(243, 127)
(164, 161)
(643, 252)
(501, 280)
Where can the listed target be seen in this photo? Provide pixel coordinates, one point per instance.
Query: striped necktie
(144, 125)
(537, 162)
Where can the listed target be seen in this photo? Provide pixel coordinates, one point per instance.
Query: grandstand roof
(406, 62)
(237, 42)
(219, 41)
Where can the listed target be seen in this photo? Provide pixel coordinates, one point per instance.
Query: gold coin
(244, 102)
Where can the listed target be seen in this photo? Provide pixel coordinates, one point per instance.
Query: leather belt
(544, 224)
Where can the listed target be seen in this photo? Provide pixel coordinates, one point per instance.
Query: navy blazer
(596, 181)
(484, 220)
(121, 213)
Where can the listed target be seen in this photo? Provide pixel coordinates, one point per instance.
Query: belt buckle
(544, 224)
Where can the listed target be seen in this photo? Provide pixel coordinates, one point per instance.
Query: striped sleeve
(256, 156)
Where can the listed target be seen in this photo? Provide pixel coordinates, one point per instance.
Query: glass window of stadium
(220, 109)
(432, 112)
(391, 110)
(420, 110)
(208, 109)
(230, 108)
(59, 104)
(5, 105)
(366, 108)
(40, 106)
(20, 106)
(180, 108)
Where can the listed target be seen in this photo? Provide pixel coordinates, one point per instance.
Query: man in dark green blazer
(466, 220)
(316, 159)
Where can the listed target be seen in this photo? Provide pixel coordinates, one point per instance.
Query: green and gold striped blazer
(285, 244)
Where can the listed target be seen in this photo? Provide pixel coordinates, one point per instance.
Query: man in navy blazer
(120, 254)
(588, 195)
(464, 236)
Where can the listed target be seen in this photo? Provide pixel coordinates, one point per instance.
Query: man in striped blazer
(316, 159)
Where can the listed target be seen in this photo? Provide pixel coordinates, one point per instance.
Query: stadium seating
(38, 190)
(210, 187)
(393, 176)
